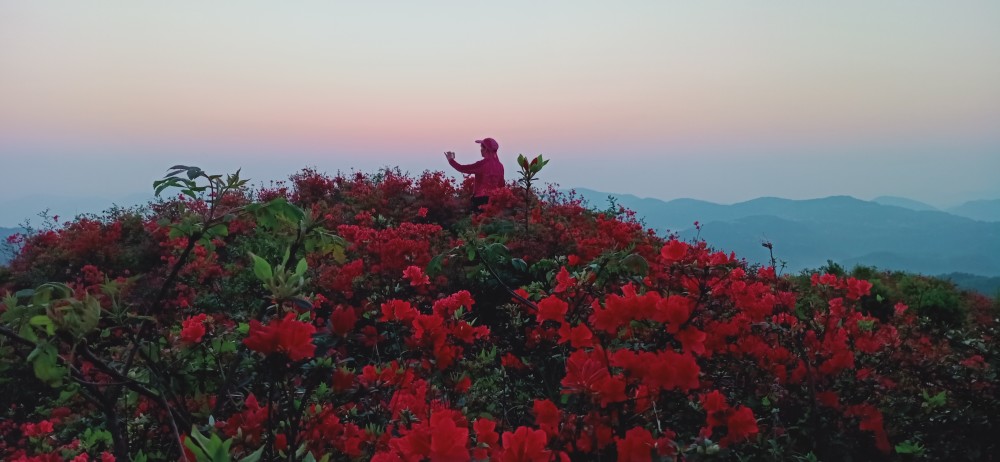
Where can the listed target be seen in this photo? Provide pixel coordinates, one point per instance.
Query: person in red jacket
(488, 172)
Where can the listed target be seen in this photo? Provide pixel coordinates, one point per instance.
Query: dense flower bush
(369, 317)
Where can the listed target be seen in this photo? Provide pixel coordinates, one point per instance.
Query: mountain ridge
(806, 233)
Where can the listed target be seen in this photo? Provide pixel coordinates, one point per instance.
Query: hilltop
(371, 316)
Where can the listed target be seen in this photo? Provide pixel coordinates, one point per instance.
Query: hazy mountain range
(889, 233)
(982, 210)
(15, 212)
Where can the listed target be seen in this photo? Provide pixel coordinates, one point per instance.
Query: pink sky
(762, 95)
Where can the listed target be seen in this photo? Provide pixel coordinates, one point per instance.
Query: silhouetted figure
(488, 172)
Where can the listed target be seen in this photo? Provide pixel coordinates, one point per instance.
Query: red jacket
(488, 174)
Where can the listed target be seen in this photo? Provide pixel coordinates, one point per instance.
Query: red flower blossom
(974, 362)
(740, 425)
(449, 440)
(342, 320)
(193, 328)
(674, 311)
(715, 407)
(673, 251)
(829, 399)
(693, 340)
(587, 373)
(416, 276)
(510, 361)
(486, 432)
(525, 445)
(398, 310)
(637, 446)
(871, 420)
(447, 306)
(288, 336)
(552, 308)
(857, 288)
(578, 336)
(547, 416)
(564, 281)
(464, 384)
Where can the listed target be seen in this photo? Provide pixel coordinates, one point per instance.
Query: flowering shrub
(368, 317)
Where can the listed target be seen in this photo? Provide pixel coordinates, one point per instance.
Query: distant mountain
(807, 233)
(982, 210)
(984, 285)
(16, 211)
(904, 203)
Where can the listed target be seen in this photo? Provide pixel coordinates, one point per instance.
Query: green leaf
(219, 230)
(44, 363)
(909, 447)
(636, 264)
(519, 264)
(435, 266)
(208, 449)
(935, 401)
(261, 268)
(301, 268)
(254, 456)
(44, 322)
(24, 293)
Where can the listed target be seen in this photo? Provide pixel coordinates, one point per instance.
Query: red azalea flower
(564, 281)
(448, 440)
(673, 251)
(342, 320)
(871, 420)
(547, 416)
(510, 361)
(674, 311)
(486, 432)
(398, 310)
(193, 328)
(552, 308)
(416, 276)
(829, 399)
(637, 446)
(740, 425)
(578, 337)
(288, 336)
(525, 445)
(857, 288)
(693, 340)
(463, 385)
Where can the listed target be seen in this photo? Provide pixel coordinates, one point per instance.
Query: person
(488, 172)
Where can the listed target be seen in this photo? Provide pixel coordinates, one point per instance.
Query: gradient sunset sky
(716, 100)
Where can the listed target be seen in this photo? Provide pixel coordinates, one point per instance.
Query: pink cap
(489, 143)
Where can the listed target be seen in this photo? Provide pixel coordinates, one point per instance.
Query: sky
(716, 100)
